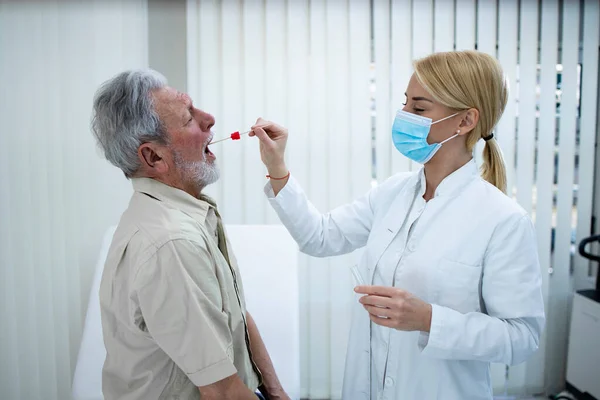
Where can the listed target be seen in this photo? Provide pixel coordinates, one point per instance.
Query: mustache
(209, 139)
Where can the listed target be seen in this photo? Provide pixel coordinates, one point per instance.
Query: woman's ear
(469, 121)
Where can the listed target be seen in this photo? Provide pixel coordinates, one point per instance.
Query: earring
(458, 132)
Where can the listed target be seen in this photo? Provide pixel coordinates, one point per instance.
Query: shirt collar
(453, 182)
(177, 198)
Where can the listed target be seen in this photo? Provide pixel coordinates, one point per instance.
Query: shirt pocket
(457, 286)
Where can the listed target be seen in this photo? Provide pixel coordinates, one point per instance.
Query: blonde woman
(453, 276)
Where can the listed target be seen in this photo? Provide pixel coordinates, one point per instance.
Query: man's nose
(205, 120)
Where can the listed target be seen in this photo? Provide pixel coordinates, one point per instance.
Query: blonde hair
(462, 80)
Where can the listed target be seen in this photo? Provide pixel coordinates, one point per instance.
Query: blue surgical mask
(409, 134)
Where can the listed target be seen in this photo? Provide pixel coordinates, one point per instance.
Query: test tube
(358, 280)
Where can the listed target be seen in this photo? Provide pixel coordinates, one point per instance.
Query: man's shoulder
(149, 224)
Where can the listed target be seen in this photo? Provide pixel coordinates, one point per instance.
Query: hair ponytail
(493, 169)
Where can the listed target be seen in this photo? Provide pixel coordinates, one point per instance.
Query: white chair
(87, 380)
(268, 261)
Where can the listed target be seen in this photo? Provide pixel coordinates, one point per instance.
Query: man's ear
(469, 121)
(151, 157)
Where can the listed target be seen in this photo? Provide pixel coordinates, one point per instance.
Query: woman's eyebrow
(418, 98)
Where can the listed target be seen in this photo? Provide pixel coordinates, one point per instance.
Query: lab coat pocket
(457, 286)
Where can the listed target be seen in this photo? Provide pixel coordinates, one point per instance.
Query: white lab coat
(472, 255)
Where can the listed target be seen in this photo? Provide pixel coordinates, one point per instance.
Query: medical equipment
(234, 136)
(358, 280)
(584, 336)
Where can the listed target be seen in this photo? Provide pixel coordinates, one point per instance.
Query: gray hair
(124, 117)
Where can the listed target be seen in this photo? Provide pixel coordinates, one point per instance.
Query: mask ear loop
(450, 138)
(445, 118)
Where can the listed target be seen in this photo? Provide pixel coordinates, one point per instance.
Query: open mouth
(207, 151)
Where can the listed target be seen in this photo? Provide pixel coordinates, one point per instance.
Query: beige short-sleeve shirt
(172, 306)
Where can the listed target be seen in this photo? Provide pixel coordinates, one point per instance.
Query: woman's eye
(418, 109)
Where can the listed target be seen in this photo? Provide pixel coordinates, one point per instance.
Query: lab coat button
(389, 381)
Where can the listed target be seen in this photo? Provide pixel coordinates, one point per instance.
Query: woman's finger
(382, 321)
(271, 130)
(262, 135)
(262, 123)
(377, 301)
(379, 312)
(383, 291)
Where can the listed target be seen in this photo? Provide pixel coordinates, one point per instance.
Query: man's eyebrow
(184, 97)
(419, 98)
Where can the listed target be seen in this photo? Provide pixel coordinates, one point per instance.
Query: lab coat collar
(177, 198)
(453, 182)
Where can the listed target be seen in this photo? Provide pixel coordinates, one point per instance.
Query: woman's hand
(395, 308)
(273, 139)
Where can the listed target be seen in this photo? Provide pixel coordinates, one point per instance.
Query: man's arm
(271, 388)
(228, 388)
(175, 291)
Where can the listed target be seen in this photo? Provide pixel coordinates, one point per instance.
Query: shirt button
(389, 381)
(412, 246)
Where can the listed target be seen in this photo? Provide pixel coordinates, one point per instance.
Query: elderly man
(174, 318)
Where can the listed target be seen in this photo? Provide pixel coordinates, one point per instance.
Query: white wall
(57, 195)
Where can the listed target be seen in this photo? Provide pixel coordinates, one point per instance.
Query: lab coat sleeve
(340, 231)
(509, 330)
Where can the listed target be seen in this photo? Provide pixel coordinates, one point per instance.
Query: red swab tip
(235, 136)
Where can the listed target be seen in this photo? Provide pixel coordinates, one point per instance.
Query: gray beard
(202, 173)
